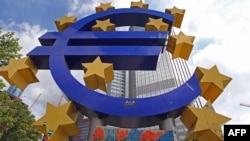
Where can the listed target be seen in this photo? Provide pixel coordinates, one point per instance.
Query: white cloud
(48, 91)
(84, 8)
(226, 23)
(26, 33)
(28, 36)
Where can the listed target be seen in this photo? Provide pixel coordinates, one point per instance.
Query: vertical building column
(126, 84)
(167, 124)
(131, 84)
(94, 121)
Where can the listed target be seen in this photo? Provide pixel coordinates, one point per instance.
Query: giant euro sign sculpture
(92, 44)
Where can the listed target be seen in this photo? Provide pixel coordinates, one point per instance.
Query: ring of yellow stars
(105, 25)
(178, 14)
(59, 122)
(97, 74)
(212, 82)
(139, 4)
(156, 25)
(180, 45)
(65, 22)
(203, 124)
(103, 7)
(20, 72)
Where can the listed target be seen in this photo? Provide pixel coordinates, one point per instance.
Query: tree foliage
(15, 118)
(9, 47)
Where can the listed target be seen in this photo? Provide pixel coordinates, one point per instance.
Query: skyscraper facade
(83, 124)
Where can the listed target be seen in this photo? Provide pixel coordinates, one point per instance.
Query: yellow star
(178, 14)
(156, 25)
(65, 22)
(104, 7)
(212, 82)
(97, 74)
(203, 124)
(58, 122)
(103, 26)
(180, 45)
(139, 4)
(20, 72)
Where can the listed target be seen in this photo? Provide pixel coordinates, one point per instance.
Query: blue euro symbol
(64, 51)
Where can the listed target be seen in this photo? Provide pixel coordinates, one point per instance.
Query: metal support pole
(95, 121)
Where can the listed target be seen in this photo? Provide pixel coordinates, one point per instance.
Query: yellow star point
(65, 22)
(212, 82)
(103, 7)
(97, 74)
(20, 72)
(156, 25)
(105, 25)
(203, 123)
(178, 14)
(58, 122)
(180, 45)
(139, 4)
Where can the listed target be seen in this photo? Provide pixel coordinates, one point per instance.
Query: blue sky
(40, 12)
(222, 30)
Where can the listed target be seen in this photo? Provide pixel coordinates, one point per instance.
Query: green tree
(9, 47)
(15, 118)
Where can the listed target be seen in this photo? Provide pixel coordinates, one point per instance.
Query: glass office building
(83, 124)
(14, 91)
